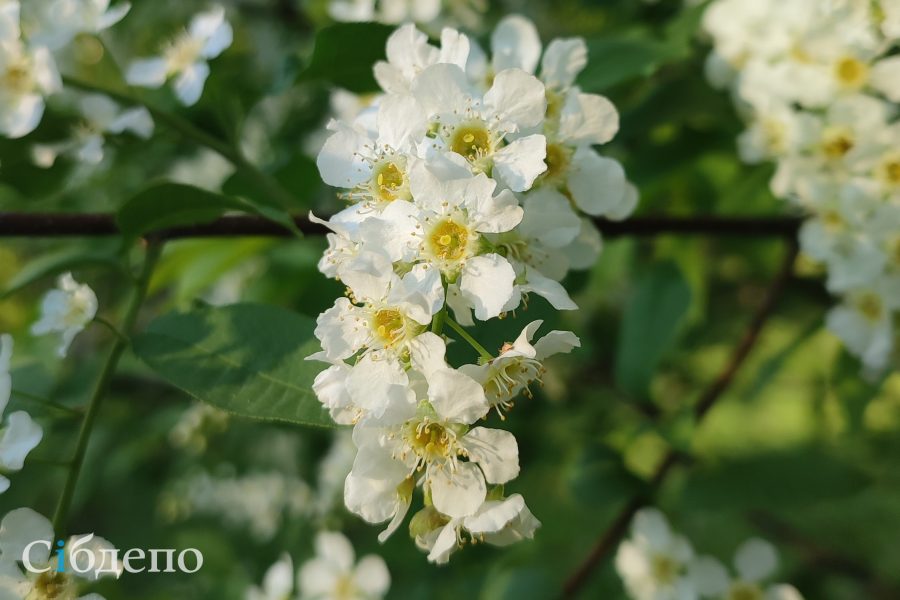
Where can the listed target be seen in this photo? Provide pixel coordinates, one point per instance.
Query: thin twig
(609, 539)
(96, 225)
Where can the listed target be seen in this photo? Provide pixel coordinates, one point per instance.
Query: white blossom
(20, 434)
(334, 574)
(755, 561)
(186, 57)
(66, 310)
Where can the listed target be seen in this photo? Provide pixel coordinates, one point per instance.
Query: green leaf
(852, 390)
(598, 476)
(247, 359)
(344, 54)
(66, 259)
(165, 205)
(772, 480)
(651, 321)
(616, 59)
(300, 177)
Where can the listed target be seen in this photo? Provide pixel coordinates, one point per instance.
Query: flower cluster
(819, 84)
(657, 562)
(468, 181)
(333, 574)
(19, 529)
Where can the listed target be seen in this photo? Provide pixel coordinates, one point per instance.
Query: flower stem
(229, 152)
(47, 402)
(87, 425)
(437, 324)
(472, 341)
(112, 328)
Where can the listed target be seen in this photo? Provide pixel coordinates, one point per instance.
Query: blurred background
(801, 450)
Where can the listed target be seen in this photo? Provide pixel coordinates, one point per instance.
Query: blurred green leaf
(598, 476)
(772, 480)
(852, 389)
(651, 320)
(66, 259)
(300, 177)
(344, 54)
(169, 204)
(247, 359)
(616, 59)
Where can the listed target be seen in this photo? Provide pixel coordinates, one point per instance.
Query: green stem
(106, 374)
(187, 129)
(465, 335)
(47, 402)
(112, 328)
(437, 324)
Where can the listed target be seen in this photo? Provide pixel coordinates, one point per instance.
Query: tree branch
(610, 538)
(95, 225)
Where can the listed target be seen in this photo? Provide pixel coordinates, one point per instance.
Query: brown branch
(96, 225)
(611, 536)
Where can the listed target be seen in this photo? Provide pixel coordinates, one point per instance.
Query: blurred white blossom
(186, 57)
(66, 310)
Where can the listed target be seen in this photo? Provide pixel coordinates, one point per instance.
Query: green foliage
(344, 54)
(651, 321)
(798, 479)
(166, 204)
(248, 359)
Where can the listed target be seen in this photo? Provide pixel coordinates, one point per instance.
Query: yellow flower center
(837, 142)
(889, 170)
(471, 140)
(17, 78)
(430, 441)
(745, 591)
(389, 325)
(52, 586)
(555, 102)
(182, 53)
(557, 159)
(664, 569)
(449, 240)
(389, 180)
(345, 589)
(870, 306)
(851, 72)
(833, 220)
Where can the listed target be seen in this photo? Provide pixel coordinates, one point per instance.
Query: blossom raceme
(457, 214)
(819, 84)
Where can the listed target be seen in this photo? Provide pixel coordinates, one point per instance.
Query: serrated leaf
(344, 54)
(247, 359)
(652, 319)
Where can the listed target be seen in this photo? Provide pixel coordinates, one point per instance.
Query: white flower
(519, 364)
(332, 574)
(388, 11)
(435, 435)
(185, 58)
(66, 310)
(409, 53)
(754, 562)
(865, 322)
(373, 164)
(27, 75)
(102, 116)
(500, 521)
(653, 562)
(55, 23)
(23, 526)
(21, 434)
(278, 582)
(477, 126)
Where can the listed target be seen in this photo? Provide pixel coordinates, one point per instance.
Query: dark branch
(610, 538)
(94, 225)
